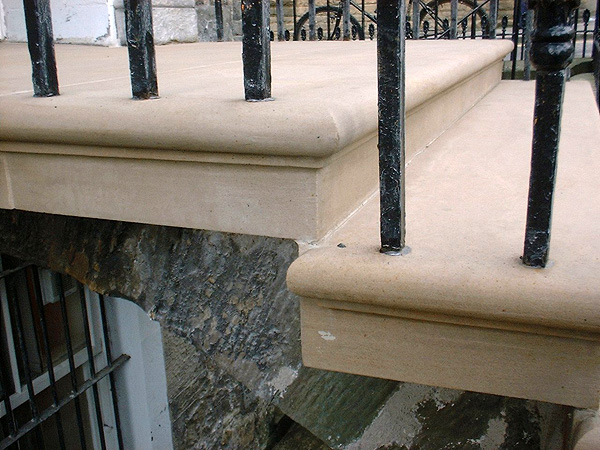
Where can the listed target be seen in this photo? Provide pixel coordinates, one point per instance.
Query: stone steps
(460, 310)
(204, 158)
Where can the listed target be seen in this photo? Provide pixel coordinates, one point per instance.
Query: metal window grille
(57, 387)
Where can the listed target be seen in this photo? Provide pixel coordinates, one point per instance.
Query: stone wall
(232, 347)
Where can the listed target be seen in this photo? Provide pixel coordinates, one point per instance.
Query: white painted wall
(141, 381)
(2, 22)
(73, 21)
(102, 22)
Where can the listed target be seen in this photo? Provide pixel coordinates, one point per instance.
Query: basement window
(63, 384)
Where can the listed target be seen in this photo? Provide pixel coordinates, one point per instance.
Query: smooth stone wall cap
(466, 203)
(200, 112)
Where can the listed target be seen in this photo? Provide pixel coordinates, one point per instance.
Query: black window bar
(44, 363)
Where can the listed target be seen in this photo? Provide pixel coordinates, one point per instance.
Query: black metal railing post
(453, 18)
(40, 41)
(219, 20)
(551, 52)
(391, 132)
(515, 38)
(140, 44)
(280, 20)
(312, 32)
(295, 16)
(586, 22)
(527, 45)
(493, 22)
(346, 20)
(256, 49)
(416, 18)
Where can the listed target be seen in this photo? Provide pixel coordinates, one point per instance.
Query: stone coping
(325, 100)
(466, 204)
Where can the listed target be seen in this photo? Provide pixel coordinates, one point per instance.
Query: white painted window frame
(62, 369)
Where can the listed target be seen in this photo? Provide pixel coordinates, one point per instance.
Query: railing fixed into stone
(552, 49)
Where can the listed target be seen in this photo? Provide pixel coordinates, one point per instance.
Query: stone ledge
(460, 310)
(200, 156)
(201, 108)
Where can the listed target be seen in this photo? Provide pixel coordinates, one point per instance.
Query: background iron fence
(433, 19)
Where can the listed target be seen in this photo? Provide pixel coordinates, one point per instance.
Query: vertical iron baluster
(391, 131)
(256, 52)
(515, 38)
(40, 42)
(295, 20)
(575, 17)
(219, 19)
(328, 21)
(280, 20)
(474, 22)
(522, 30)
(91, 363)
(493, 19)
(527, 44)
(551, 52)
(485, 29)
(362, 17)
(71, 359)
(453, 18)
(346, 19)
(140, 44)
(13, 302)
(436, 17)
(586, 22)
(111, 376)
(504, 25)
(49, 363)
(416, 18)
(311, 20)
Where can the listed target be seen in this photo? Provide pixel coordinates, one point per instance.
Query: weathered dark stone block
(231, 337)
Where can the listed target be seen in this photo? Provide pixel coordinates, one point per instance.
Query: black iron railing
(433, 19)
(553, 42)
(552, 49)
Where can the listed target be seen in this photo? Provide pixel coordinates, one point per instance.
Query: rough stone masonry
(231, 336)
